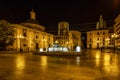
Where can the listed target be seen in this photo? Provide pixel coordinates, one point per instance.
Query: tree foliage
(6, 34)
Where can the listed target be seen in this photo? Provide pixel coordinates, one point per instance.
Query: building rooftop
(32, 21)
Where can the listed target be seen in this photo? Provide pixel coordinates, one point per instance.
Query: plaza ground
(93, 65)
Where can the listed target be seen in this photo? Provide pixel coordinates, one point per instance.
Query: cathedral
(67, 38)
(30, 36)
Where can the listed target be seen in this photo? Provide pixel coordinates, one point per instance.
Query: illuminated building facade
(67, 38)
(117, 29)
(63, 34)
(98, 38)
(31, 36)
(74, 39)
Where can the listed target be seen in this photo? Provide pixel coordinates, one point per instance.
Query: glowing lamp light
(50, 49)
(61, 49)
(78, 59)
(78, 49)
(41, 49)
(65, 49)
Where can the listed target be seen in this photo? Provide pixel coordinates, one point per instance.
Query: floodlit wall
(117, 29)
(29, 39)
(97, 38)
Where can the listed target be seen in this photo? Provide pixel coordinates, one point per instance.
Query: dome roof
(34, 26)
(32, 21)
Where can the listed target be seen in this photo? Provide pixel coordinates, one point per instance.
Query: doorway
(37, 46)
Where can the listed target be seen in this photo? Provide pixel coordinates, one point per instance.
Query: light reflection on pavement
(94, 65)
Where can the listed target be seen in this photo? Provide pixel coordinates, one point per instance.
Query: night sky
(50, 12)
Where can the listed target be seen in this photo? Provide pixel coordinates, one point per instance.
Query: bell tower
(101, 24)
(63, 28)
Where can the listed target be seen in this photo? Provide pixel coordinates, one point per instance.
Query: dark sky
(50, 12)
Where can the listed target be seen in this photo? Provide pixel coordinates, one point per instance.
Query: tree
(6, 34)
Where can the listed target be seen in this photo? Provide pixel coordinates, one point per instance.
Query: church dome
(34, 26)
(32, 21)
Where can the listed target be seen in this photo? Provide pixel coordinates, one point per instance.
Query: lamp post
(114, 36)
(20, 37)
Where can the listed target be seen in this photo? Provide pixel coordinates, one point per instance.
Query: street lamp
(114, 36)
(67, 43)
(20, 37)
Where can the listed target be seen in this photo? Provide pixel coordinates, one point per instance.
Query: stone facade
(67, 38)
(97, 38)
(31, 36)
(117, 29)
(74, 39)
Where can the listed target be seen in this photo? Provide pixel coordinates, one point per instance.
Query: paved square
(94, 65)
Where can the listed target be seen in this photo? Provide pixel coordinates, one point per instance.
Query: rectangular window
(11, 44)
(24, 44)
(103, 33)
(25, 32)
(97, 44)
(103, 43)
(90, 33)
(36, 36)
(90, 40)
(97, 33)
(103, 39)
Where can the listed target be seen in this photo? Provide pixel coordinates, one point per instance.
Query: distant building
(31, 36)
(117, 29)
(74, 39)
(67, 38)
(98, 38)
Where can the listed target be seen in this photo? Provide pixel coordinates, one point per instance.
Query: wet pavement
(93, 65)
